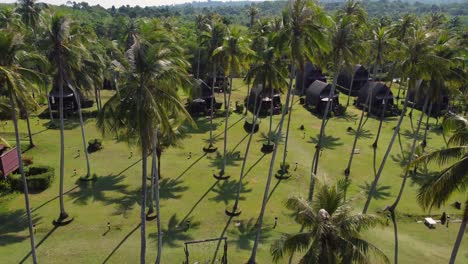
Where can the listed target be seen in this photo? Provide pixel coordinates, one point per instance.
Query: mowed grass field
(190, 193)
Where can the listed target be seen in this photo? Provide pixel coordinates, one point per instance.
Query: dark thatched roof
(361, 76)
(378, 92)
(317, 92)
(312, 74)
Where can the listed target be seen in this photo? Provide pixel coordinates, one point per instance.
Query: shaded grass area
(193, 202)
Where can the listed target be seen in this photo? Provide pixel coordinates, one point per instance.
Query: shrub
(39, 178)
(5, 187)
(94, 145)
(284, 167)
(27, 160)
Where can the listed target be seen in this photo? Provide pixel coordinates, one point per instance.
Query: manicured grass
(189, 192)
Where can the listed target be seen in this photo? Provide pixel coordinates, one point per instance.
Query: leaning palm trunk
(23, 178)
(226, 121)
(382, 116)
(153, 173)
(248, 98)
(270, 174)
(356, 137)
(144, 155)
(212, 106)
(387, 153)
(392, 208)
(158, 209)
(51, 115)
(424, 142)
(285, 151)
(31, 143)
(315, 160)
(271, 117)
(83, 136)
(350, 90)
(461, 231)
(198, 62)
(244, 162)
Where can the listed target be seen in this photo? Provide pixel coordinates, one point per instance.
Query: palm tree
(233, 55)
(148, 101)
(379, 43)
(213, 39)
(419, 59)
(17, 79)
(200, 26)
(253, 13)
(344, 50)
(332, 230)
(452, 178)
(270, 174)
(303, 33)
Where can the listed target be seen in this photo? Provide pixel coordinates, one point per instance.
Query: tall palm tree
(379, 43)
(213, 38)
(17, 78)
(344, 50)
(253, 14)
(233, 55)
(303, 33)
(419, 59)
(148, 101)
(452, 178)
(200, 26)
(332, 230)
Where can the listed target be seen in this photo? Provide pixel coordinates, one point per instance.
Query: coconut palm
(213, 38)
(344, 51)
(303, 33)
(419, 59)
(253, 14)
(148, 101)
(233, 55)
(452, 178)
(17, 77)
(201, 21)
(380, 44)
(331, 232)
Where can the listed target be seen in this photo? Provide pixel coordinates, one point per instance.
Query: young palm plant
(148, 101)
(331, 232)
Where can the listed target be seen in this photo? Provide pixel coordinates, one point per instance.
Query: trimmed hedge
(39, 178)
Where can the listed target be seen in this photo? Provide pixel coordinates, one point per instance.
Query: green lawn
(189, 192)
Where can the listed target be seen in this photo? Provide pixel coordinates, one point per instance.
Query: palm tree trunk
(387, 153)
(350, 90)
(315, 159)
(23, 178)
(153, 173)
(96, 98)
(271, 117)
(356, 137)
(83, 137)
(285, 151)
(460, 234)
(424, 142)
(212, 106)
(31, 143)
(63, 214)
(270, 174)
(198, 62)
(392, 208)
(382, 116)
(144, 155)
(244, 162)
(50, 109)
(248, 97)
(226, 121)
(157, 202)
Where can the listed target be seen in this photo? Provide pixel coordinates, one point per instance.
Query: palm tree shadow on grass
(121, 243)
(348, 117)
(226, 191)
(203, 126)
(40, 243)
(246, 232)
(229, 127)
(410, 134)
(14, 222)
(171, 189)
(380, 192)
(328, 142)
(421, 176)
(363, 133)
(199, 201)
(177, 231)
(92, 191)
(233, 158)
(190, 166)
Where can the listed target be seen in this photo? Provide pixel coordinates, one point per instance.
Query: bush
(94, 145)
(39, 178)
(5, 187)
(27, 160)
(285, 167)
